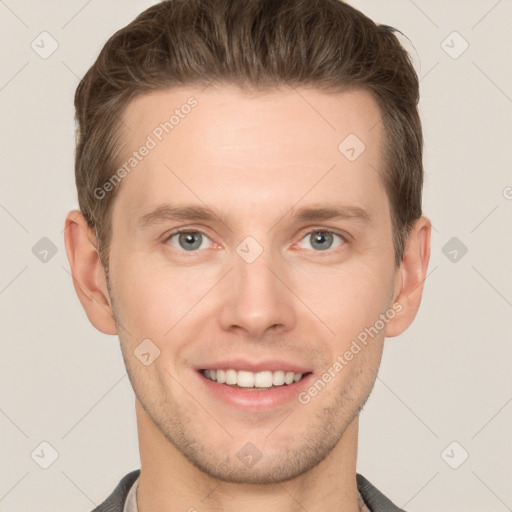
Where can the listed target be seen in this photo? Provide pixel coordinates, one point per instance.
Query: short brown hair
(258, 44)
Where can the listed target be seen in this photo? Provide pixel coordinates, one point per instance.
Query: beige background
(445, 380)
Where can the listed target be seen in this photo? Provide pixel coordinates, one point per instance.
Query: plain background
(446, 380)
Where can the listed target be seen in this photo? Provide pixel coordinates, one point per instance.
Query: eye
(188, 240)
(321, 240)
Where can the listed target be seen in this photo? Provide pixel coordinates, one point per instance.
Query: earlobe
(411, 277)
(87, 272)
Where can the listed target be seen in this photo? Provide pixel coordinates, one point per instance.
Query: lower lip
(256, 399)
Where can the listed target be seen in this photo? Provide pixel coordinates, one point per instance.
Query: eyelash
(314, 230)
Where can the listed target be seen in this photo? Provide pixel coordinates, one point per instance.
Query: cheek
(347, 299)
(152, 299)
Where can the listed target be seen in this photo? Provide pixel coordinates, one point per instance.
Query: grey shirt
(123, 498)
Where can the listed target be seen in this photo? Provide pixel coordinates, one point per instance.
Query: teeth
(278, 378)
(245, 379)
(263, 379)
(231, 376)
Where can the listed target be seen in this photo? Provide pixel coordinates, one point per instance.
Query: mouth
(265, 380)
(269, 388)
(253, 385)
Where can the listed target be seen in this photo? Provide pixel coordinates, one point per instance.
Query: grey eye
(188, 240)
(321, 240)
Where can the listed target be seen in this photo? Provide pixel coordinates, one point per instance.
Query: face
(245, 243)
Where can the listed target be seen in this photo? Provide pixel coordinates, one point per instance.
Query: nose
(256, 298)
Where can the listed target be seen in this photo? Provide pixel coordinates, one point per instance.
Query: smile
(245, 379)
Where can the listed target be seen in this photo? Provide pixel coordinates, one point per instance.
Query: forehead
(273, 147)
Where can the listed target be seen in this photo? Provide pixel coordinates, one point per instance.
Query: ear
(87, 272)
(410, 277)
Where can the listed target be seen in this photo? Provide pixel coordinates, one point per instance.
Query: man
(249, 177)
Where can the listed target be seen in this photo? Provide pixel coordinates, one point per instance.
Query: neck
(168, 481)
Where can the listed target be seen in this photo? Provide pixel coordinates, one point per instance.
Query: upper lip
(272, 365)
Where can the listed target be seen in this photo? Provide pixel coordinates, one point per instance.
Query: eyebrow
(169, 212)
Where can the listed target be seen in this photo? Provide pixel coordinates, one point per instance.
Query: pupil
(320, 238)
(189, 242)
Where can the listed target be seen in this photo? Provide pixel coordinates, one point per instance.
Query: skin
(253, 158)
